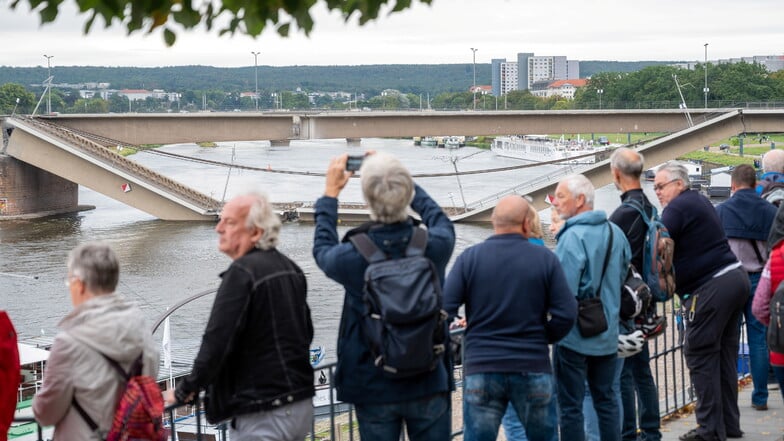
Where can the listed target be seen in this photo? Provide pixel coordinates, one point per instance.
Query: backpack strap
(606, 261)
(87, 418)
(757, 251)
(369, 250)
(418, 243)
(136, 369)
(639, 206)
(372, 253)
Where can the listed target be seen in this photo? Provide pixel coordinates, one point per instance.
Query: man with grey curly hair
(254, 357)
(382, 403)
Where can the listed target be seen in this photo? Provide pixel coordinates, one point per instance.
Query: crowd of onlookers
(546, 352)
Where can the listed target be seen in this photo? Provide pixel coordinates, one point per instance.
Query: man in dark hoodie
(747, 220)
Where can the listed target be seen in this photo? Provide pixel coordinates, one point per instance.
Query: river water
(164, 262)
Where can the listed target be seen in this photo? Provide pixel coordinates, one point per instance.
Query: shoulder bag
(591, 320)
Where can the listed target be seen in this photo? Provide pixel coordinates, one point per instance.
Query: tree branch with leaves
(249, 17)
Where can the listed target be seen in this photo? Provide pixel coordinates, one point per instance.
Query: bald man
(516, 302)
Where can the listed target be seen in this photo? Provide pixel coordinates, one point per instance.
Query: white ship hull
(538, 148)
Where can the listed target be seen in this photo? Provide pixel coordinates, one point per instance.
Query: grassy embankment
(128, 151)
(752, 149)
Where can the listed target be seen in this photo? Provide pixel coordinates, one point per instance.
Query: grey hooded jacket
(104, 324)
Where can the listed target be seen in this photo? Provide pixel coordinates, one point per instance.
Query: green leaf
(169, 37)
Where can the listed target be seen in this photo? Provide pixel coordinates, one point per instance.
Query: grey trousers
(286, 423)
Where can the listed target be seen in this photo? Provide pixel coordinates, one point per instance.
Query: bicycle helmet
(652, 326)
(630, 344)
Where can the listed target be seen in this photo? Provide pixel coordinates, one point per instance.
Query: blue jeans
(486, 397)
(513, 428)
(640, 399)
(758, 349)
(591, 425)
(572, 369)
(427, 419)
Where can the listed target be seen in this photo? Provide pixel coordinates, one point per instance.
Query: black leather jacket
(254, 354)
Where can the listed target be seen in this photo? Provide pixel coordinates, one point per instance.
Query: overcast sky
(624, 30)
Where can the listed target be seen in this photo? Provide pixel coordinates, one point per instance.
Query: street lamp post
(256, 68)
(473, 49)
(49, 76)
(705, 90)
(600, 92)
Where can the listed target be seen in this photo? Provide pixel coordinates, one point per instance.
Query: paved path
(758, 425)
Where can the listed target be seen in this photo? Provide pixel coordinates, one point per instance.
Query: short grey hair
(675, 171)
(580, 185)
(96, 265)
(628, 161)
(387, 187)
(773, 161)
(261, 215)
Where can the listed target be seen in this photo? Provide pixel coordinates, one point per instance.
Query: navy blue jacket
(509, 286)
(357, 379)
(701, 247)
(746, 215)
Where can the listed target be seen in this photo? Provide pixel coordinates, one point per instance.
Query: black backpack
(403, 320)
(776, 325)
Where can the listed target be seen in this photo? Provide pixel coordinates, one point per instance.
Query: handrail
(667, 364)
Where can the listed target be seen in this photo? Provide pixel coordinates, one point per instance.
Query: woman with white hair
(382, 403)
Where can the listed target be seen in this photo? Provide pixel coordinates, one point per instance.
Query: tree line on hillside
(366, 80)
(731, 85)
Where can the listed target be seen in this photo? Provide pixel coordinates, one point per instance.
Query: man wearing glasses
(713, 288)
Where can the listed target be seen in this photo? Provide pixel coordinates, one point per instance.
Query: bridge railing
(118, 161)
(548, 178)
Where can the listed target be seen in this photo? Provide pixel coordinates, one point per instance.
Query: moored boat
(428, 141)
(541, 148)
(453, 142)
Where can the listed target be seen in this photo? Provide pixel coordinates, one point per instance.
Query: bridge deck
(714, 124)
(79, 159)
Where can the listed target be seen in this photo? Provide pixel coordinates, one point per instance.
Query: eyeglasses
(68, 280)
(660, 187)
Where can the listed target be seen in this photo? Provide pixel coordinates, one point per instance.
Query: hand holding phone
(354, 162)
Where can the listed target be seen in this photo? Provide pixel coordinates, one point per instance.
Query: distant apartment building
(529, 70)
(771, 63)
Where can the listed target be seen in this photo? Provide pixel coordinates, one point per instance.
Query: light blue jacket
(582, 246)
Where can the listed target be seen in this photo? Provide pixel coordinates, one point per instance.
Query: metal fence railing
(335, 421)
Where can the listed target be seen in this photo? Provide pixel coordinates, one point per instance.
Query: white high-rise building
(529, 69)
(508, 77)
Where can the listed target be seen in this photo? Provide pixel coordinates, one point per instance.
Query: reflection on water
(164, 262)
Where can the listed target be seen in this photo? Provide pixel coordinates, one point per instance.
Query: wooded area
(388, 87)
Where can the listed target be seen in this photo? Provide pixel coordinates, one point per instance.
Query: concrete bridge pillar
(26, 190)
(279, 143)
(354, 142)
